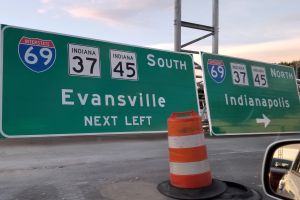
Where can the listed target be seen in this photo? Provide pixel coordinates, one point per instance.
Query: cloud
(45, 1)
(112, 13)
(165, 46)
(244, 22)
(273, 51)
(46, 7)
(42, 10)
(93, 14)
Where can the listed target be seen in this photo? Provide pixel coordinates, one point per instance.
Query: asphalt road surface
(116, 167)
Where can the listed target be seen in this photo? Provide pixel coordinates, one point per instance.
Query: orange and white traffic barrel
(190, 174)
(189, 165)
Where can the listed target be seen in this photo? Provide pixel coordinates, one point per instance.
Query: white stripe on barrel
(189, 168)
(188, 141)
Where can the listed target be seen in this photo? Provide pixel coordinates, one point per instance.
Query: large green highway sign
(54, 84)
(249, 97)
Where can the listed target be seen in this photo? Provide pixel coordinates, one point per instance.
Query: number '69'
(32, 59)
(217, 72)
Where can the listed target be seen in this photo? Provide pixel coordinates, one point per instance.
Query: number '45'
(129, 69)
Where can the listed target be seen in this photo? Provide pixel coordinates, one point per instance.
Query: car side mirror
(281, 170)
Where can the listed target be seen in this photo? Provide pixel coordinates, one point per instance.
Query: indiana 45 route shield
(54, 84)
(250, 97)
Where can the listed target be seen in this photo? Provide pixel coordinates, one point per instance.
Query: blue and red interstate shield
(216, 70)
(38, 55)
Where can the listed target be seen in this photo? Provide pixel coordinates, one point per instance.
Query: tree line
(295, 64)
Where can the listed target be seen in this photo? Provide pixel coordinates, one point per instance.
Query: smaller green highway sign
(54, 84)
(250, 97)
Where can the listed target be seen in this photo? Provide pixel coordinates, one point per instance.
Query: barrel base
(215, 189)
(219, 190)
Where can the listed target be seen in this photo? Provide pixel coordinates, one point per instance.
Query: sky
(264, 30)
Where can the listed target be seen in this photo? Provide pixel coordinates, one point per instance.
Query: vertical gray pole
(215, 42)
(177, 26)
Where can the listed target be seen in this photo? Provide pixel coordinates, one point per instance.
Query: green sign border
(2, 134)
(207, 98)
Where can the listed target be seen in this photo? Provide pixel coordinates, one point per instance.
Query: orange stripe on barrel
(187, 126)
(191, 181)
(188, 154)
